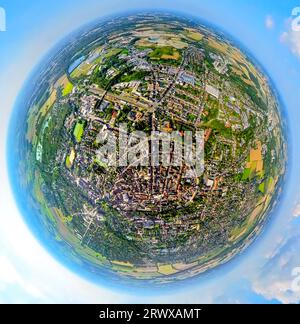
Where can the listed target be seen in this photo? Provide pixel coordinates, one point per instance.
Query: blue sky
(263, 274)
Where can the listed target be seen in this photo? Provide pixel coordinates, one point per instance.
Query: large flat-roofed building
(187, 78)
(212, 91)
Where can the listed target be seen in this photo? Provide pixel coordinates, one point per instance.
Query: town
(153, 83)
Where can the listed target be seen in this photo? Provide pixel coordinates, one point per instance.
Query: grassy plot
(193, 34)
(165, 53)
(246, 174)
(65, 84)
(68, 162)
(219, 126)
(166, 269)
(261, 187)
(82, 69)
(134, 76)
(79, 130)
(255, 166)
(48, 104)
(70, 159)
(31, 125)
(113, 52)
(123, 266)
(67, 89)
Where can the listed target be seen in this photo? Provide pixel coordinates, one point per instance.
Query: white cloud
(279, 289)
(269, 22)
(8, 273)
(291, 38)
(275, 279)
(9, 276)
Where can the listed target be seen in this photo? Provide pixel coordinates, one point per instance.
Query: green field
(261, 187)
(67, 89)
(113, 52)
(246, 174)
(68, 162)
(164, 53)
(78, 131)
(219, 126)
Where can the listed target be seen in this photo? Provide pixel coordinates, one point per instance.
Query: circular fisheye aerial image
(145, 213)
